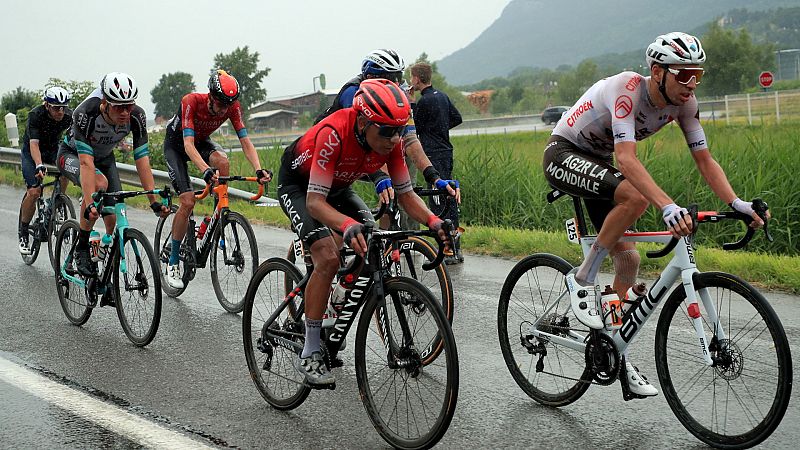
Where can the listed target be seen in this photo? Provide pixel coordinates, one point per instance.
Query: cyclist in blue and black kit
(387, 64)
(86, 157)
(46, 122)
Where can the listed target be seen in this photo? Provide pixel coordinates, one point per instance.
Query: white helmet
(56, 96)
(675, 48)
(382, 61)
(119, 88)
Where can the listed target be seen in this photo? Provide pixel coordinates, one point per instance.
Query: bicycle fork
(693, 311)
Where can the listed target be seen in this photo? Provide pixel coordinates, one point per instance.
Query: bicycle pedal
(321, 387)
(336, 362)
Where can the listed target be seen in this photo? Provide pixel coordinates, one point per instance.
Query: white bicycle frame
(682, 266)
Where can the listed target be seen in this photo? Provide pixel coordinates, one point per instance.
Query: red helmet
(223, 87)
(382, 102)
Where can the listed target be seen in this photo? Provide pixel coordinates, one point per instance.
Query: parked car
(551, 115)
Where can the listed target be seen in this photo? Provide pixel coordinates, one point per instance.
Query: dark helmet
(223, 87)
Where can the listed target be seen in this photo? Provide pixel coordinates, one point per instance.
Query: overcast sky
(297, 40)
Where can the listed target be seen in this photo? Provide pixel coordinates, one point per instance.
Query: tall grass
(503, 184)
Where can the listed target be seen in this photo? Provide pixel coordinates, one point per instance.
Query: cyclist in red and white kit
(607, 121)
(188, 137)
(315, 193)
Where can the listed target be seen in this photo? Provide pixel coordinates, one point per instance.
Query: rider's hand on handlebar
(436, 224)
(353, 236)
(41, 171)
(159, 209)
(210, 175)
(91, 213)
(264, 176)
(385, 190)
(451, 186)
(747, 208)
(678, 220)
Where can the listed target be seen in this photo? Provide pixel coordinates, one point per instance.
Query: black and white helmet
(56, 96)
(675, 48)
(381, 62)
(119, 88)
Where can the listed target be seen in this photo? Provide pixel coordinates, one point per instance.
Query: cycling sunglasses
(685, 75)
(56, 107)
(125, 107)
(388, 131)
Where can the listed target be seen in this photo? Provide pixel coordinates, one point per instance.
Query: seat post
(579, 217)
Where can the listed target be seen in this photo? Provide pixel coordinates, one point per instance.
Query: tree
(20, 98)
(244, 66)
(78, 89)
(733, 61)
(169, 91)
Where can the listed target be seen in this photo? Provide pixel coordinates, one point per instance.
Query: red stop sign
(765, 79)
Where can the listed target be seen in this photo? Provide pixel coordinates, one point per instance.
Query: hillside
(549, 33)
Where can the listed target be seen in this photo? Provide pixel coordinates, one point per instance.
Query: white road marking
(103, 414)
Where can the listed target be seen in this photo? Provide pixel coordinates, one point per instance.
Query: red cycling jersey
(330, 157)
(197, 120)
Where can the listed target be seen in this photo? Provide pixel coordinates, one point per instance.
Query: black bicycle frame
(201, 255)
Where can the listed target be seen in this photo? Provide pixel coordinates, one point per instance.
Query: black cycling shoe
(83, 262)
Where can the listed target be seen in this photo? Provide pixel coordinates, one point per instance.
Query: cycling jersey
(619, 109)
(43, 128)
(329, 157)
(195, 119)
(92, 135)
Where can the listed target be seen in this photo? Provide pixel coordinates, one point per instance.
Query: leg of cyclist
(316, 237)
(32, 180)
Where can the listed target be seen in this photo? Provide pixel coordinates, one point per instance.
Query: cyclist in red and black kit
(189, 138)
(317, 171)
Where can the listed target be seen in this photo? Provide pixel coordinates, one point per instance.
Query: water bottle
(94, 246)
(338, 298)
(105, 244)
(634, 296)
(612, 308)
(203, 226)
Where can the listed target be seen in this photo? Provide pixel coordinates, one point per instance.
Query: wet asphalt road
(193, 377)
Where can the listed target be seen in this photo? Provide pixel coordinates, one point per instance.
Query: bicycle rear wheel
(534, 294)
(272, 365)
(740, 400)
(410, 404)
(413, 253)
(137, 292)
(33, 232)
(72, 297)
(63, 210)
(235, 245)
(163, 244)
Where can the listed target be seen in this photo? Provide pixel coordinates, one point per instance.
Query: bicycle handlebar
(201, 194)
(371, 235)
(759, 206)
(391, 207)
(99, 196)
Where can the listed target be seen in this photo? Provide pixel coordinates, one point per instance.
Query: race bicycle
(50, 214)
(721, 352)
(226, 237)
(409, 403)
(127, 276)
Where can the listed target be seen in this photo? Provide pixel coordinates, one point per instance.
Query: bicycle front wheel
(72, 296)
(410, 404)
(63, 210)
(739, 400)
(233, 261)
(535, 298)
(271, 365)
(137, 291)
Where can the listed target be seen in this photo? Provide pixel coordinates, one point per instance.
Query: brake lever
(761, 208)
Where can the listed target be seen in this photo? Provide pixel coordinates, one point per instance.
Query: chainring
(603, 358)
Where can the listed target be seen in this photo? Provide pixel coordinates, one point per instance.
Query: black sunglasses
(56, 108)
(388, 131)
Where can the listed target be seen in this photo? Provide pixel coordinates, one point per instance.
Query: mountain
(549, 33)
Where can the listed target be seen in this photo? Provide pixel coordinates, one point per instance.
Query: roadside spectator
(434, 116)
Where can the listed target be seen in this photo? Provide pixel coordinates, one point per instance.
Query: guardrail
(128, 175)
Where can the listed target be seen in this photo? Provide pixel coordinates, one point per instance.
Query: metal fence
(757, 108)
(129, 175)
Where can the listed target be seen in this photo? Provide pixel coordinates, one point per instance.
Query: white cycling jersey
(618, 109)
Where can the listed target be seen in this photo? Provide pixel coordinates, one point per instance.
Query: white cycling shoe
(174, 278)
(583, 300)
(637, 383)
